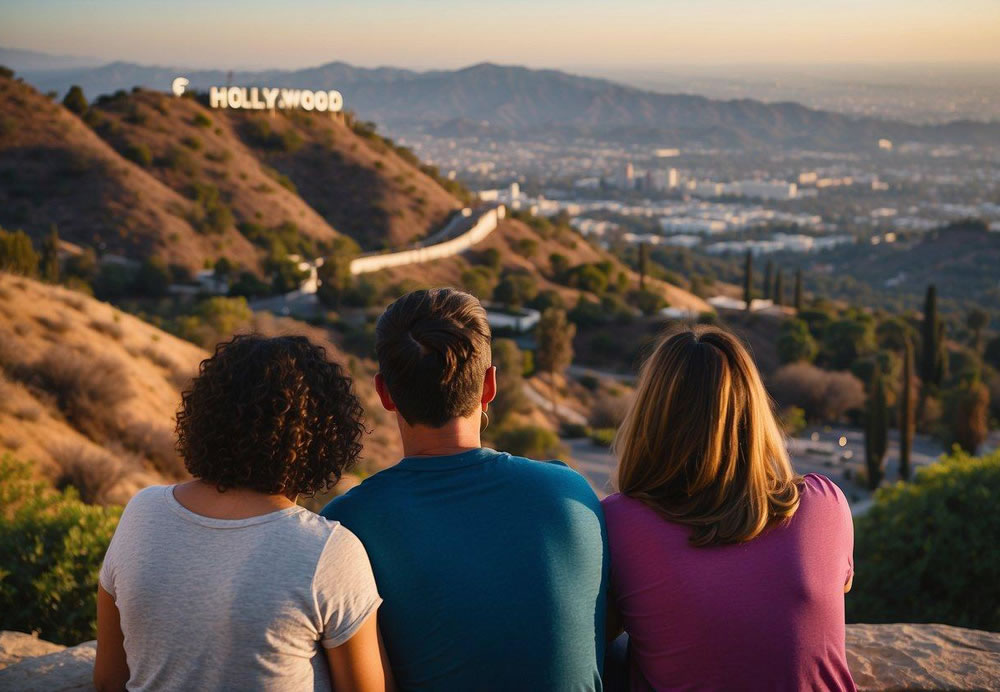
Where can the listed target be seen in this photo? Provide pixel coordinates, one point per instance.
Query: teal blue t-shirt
(492, 569)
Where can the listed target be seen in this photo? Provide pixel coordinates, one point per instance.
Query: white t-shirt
(233, 604)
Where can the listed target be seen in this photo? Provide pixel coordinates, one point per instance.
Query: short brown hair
(700, 443)
(272, 415)
(433, 351)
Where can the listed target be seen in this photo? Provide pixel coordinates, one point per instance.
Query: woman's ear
(489, 386)
(383, 393)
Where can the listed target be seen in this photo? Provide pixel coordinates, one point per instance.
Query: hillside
(141, 174)
(526, 101)
(88, 393)
(54, 170)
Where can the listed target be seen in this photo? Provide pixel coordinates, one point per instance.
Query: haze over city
(550, 33)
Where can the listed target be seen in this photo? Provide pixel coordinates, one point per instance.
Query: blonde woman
(728, 571)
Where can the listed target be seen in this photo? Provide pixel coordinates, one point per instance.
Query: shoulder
(360, 495)
(147, 500)
(621, 509)
(817, 488)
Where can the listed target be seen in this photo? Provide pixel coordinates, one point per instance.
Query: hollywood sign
(266, 98)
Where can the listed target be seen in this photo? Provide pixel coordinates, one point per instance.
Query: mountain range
(518, 102)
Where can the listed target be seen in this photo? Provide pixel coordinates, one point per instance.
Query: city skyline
(550, 33)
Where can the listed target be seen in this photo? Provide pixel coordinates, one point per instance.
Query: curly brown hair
(272, 415)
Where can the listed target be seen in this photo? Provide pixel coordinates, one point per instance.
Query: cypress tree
(798, 290)
(48, 263)
(75, 101)
(931, 351)
(779, 289)
(768, 278)
(643, 264)
(876, 430)
(906, 414)
(748, 281)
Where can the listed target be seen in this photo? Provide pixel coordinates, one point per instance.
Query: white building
(687, 224)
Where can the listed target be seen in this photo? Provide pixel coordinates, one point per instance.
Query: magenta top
(763, 615)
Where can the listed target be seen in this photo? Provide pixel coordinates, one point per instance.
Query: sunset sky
(554, 33)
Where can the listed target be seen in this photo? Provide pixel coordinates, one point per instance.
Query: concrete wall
(484, 225)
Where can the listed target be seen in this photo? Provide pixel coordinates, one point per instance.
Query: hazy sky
(555, 33)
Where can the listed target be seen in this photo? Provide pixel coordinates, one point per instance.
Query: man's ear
(489, 386)
(383, 393)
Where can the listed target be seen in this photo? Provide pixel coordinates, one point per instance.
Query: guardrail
(484, 225)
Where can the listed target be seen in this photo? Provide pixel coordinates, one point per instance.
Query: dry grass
(87, 388)
(158, 357)
(92, 471)
(57, 324)
(112, 329)
(156, 443)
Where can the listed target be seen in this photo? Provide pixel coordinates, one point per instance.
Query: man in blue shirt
(492, 568)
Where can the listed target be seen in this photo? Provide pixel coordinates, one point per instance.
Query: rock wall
(882, 657)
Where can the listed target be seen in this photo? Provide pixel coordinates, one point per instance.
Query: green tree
(17, 255)
(643, 265)
(798, 290)
(768, 278)
(976, 321)
(845, 341)
(779, 288)
(968, 407)
(222, 269)
(532, 442)
(48, 263)
(554, 350)
(748, 280)
(515, 289)
(335, 273)
(907, 414)
(795, 343)
(992, 352)
(51, 548)
(876, 430)
(509, 362)
(152, 279)
(928, 549)
(932, 364)
(75, 101)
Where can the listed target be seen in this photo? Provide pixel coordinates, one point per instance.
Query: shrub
(795, 343)
(823, 395)
(192, 143)
(51, 548)
(17, 254)
(91, 471)
(75, 101)
(532, 442)
(87, 388)
(157, 444)
(509, 361)
(108, 329)
(140, 154)
(607, 411)
(927, 550)
(202, 120)
(603, 437)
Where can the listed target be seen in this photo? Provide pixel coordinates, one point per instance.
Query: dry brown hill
(88, 393)
(56, 170)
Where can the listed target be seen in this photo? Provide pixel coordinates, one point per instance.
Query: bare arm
(849, 584)
(110, 668)
(360, 663)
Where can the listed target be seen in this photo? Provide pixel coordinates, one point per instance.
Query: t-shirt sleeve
(343, 587)
(839, 510)
(106, 577)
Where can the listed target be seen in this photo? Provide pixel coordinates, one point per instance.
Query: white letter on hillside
(270, 97)
(307, 100)
(289, 98)
(235, 97)
(217, 97)
(336, 101)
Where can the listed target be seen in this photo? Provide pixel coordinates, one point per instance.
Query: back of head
(700, 443)
(273, 415)
(433, 351)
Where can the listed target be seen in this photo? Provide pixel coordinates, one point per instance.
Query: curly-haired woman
(223, 582)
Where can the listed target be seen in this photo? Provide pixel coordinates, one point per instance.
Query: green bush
(532, 442)
(75, 101)
(17, 254)
(202, 120)
(602, 437)
(927, 550)
(140, 154)
(51, 548)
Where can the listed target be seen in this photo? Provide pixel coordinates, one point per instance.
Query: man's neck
(454, 437)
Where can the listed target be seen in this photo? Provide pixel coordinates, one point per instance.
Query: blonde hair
(700, 443)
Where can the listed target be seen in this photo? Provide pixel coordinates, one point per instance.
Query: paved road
(825, 454)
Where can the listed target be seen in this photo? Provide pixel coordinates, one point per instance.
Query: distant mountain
(24, 60)
(527, 102)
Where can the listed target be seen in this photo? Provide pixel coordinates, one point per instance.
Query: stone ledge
(881, 657)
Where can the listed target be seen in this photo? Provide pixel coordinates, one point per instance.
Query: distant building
(687, 224)
(666, 153)
(885, 145)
